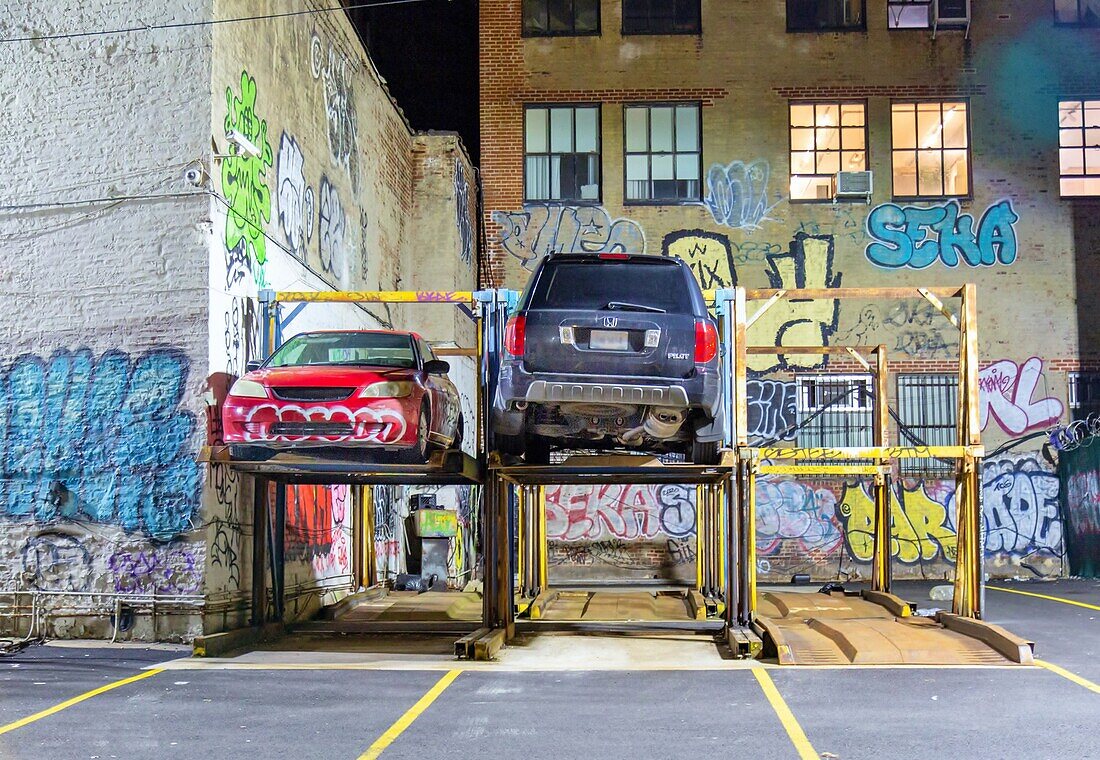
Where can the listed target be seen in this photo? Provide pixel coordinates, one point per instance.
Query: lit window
(1079, 146)
(931, 149)
(834, 411)
(661, 17)
(562, 153)
(826, 138)
(909, 14)
(825, 15)
(1077, 12)
(545, 18)
(663, 154)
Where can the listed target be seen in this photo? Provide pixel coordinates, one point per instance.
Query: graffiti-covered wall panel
(104, 349)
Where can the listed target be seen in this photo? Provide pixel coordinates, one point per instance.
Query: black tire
(705, 452)
(536, 451)
(508, 444)
(460, 431)
(422, 449)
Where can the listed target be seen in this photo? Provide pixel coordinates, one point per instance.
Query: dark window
(926, 415)
(909, 14)
(1084, 394)
(825, 15)
(595, 284)
(560, 17)
(1077, 12)
(1079, 147)
(562, 153)
(661, 17)
(664, 159)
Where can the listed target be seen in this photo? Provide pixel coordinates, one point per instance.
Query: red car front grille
(312, 428)
(311, 394)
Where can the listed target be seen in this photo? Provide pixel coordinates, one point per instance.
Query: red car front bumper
(385, 422)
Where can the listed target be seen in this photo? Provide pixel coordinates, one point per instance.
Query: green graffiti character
(244, 177)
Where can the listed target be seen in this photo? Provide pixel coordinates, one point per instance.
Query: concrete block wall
(103, 351)
(745, 69)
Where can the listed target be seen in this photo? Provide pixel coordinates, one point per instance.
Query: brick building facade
(714, 130)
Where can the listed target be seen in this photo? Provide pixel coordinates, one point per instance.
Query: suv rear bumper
(702, 391)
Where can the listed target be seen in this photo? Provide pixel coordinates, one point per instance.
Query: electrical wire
(205, 23)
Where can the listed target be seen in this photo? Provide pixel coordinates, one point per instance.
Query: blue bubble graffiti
(901, 238)
(101, 439)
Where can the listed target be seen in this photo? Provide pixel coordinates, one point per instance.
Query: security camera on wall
(243, 144)
(195, 175)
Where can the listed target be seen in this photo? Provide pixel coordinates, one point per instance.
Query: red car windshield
(364, 349)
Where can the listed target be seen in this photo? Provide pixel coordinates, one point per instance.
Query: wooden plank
(464, 646)
(443, 352)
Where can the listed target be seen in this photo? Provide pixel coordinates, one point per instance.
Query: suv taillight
(515, 335)
(706, 341)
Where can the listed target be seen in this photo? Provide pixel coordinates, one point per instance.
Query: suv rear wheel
(704, 452)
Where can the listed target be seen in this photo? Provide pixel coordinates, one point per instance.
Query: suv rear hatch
(611, 317)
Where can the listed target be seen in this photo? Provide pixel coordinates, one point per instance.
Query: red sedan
(380, 389)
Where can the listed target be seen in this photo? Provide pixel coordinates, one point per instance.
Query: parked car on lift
(379, 390)
(606, 351)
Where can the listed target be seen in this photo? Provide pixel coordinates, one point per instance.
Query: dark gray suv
(607, 351)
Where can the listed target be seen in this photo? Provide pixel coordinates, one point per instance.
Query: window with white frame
(1077, 12)
(562, 153)
(1084, 394)
(909, 14)
(663, 153)
(927, 411)
(931, 149)
(826, 138)
(551, 18)
(834, 411)
(1079, 147)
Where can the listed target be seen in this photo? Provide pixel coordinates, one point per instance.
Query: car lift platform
(874, 628)
(629, 469)
(443, 468)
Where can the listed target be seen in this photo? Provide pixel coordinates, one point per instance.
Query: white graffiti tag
(334, 225)
(1007, 392)
(540, 230)
(295, 196)
(368, 424)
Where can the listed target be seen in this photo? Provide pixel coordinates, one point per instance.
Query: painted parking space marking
(77, 700)
(410, 715)
(1074, 602)
(798, 737)
(1069, 675)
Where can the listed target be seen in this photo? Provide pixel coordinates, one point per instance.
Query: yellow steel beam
(768, 350)
(764, 307)
(375, 296)
(750, 536)
(543, 563)
(760, 294)
(521, 529)
(866, 452)
(811, 470)
(700, 540)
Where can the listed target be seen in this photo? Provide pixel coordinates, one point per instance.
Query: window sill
(664, 202)
(563, 202)
(540, 35)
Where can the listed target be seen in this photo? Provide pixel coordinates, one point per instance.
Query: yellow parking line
(410, 715)
(76, 700)
(786, 717)
(1068, 675)
(1048, 598)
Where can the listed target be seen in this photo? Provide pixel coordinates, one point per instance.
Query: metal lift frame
(967, 453)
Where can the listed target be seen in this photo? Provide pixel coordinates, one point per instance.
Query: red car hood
(326, 377)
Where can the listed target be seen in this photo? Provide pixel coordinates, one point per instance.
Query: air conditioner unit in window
(953, 13)
(853, 186)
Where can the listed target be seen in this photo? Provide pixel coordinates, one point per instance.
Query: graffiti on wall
(582, 513)
(808, 264)
(334, 227)
(463, 214)
(244, 180)
(707, 253)
(296, 202)
(54, 561)
(787, 510)
(103, 439)
(156, 569)
(1022, 513)
(737, 194)
(917, 237)
(335, 73)
(772, 408)
(911, 327)
(541, 229)
(1080, 471)
(1007, 394)
(922, 528)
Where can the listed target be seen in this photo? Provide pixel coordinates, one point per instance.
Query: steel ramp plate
(834, 629)
(616, 606)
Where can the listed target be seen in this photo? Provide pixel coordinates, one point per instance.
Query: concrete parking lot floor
(608, 697)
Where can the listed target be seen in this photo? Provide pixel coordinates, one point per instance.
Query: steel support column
(259, 544)
(880, 567)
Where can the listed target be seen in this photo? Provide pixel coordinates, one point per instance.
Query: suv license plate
(609, 340)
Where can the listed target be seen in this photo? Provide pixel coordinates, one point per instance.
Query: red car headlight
(248, 389)
(390, 389)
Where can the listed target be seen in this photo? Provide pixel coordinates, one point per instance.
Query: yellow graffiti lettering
(919, 526)
(707, 254)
